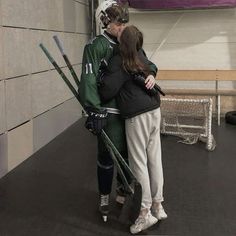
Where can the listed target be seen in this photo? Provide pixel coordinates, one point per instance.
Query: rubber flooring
(54, 192)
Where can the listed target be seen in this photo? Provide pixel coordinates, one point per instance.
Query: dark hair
(117, 13)
(131, 41)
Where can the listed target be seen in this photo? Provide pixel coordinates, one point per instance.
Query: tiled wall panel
(18, 101)
(72, 111)
(41, 96)
(82, 40)
(59, 90)
(1, 50)
(2, 108)
(0, 13)
(20, 144)
(3, 155)
(71, 42)
(82, 17)
(39, 62)
(14, 13)
(16, 51)
(48, 91)
(39, 9)
(55, 18)
(48, 125)
(69, 15)
(74, 45)
(77, 69)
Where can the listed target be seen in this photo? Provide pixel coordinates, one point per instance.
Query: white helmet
(102, 17)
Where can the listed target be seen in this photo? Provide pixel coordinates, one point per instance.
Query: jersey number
(88, 68)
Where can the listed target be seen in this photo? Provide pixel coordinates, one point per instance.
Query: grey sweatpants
(144, 151)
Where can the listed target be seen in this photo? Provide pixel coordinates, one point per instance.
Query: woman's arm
(150, 80)
(110, 84)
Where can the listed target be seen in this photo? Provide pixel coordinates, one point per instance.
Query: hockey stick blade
(132, 205)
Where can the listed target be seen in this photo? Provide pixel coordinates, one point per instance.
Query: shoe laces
(139, 222)
(157, 210)
(104, 200)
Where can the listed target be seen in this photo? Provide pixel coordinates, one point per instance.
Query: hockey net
(190, 119)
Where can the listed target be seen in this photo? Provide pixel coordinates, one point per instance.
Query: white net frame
(190, 119)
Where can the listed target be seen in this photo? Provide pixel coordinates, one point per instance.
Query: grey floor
(54, 192)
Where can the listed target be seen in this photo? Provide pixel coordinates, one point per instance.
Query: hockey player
(112, 17)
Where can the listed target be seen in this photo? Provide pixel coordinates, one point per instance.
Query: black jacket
(132, 99)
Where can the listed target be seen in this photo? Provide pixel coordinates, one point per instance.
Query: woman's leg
(155, 158)
(155, 166)
(137, 135)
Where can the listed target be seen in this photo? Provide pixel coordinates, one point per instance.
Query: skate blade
(104, 218)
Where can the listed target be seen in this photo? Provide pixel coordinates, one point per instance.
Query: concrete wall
(197, 40)
(35, 104)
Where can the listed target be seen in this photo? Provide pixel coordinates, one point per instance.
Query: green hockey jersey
(98, 49)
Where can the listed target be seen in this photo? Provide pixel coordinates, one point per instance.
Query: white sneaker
(142, 223)
(158, 211)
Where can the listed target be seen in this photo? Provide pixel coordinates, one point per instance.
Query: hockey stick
(133, 200)
(59, 45)
(105, 137)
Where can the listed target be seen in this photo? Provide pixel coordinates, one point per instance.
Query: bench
(215, 76)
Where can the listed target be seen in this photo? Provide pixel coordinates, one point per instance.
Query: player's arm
(92, 56)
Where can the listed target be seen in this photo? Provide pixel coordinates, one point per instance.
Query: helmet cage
(103, 18)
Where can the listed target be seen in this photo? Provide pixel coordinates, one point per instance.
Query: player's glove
(97, 120)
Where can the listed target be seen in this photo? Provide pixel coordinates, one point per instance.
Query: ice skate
(104, 206)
